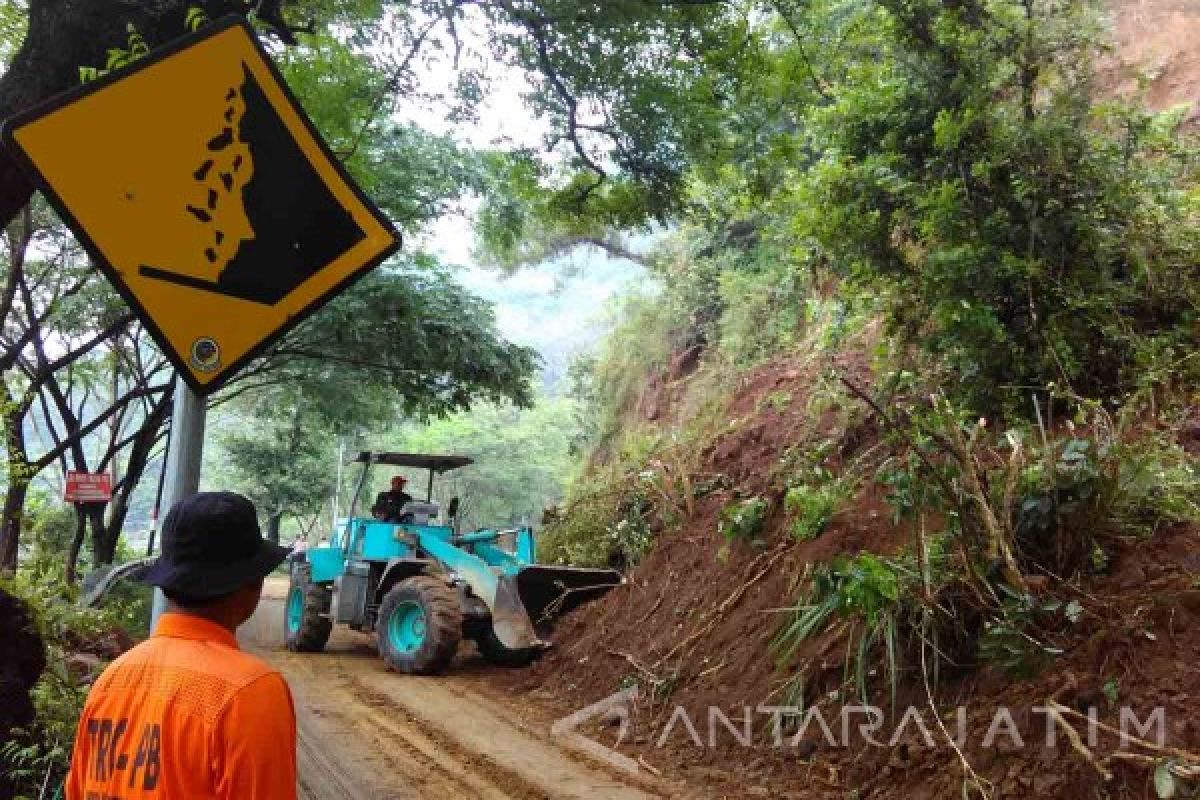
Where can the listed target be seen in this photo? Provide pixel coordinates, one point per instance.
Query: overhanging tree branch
(144, 391)
(387, 89)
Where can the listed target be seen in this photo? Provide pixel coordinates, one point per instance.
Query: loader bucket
(537, 594)
(548, 591)
(519, 597)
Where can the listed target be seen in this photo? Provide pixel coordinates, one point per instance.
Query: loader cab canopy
(438, 464)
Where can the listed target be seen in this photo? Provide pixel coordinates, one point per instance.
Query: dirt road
(369, 734)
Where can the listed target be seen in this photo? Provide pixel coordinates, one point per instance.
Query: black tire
(310, 632)
(441, 620)
(494, 651)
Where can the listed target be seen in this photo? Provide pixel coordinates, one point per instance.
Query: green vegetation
(812, 508)
(78, 642)
(1051, 508)
(135, 48)
(1007, 640)
(742, 519)
(606, 521)
(870, 593)
(977, 276)
(13, 23)
(609, 384)
(1023, 233)
(522, 459)
(986, 274)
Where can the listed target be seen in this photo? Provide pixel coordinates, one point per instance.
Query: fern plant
(868, 591)
(118, 57)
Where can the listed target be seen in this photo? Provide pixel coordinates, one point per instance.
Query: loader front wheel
(419, 626)
(494, 651)
(306, 623)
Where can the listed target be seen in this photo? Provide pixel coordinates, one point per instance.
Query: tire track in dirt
(432, 767)
(319, 777)
(487, 736)
(369, 734)
(326, 767)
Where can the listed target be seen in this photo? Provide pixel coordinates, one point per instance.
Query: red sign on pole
(87, 487)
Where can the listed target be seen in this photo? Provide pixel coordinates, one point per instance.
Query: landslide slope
(695, 624)
(1158, 40)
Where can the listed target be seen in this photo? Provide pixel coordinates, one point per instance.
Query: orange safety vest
(186, 715)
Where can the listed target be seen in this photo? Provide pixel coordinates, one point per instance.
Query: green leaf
(1164, 781)
(195, 19)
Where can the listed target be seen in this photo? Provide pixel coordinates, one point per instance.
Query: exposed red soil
(698, 616)
(698, 611)
(694, 625)
(1157, 39)
(1141, 629)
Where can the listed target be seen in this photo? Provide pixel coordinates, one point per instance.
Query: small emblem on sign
(206, 355)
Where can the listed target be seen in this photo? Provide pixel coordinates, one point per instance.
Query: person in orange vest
(186, 714)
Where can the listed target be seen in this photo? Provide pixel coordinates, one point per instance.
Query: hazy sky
(558, 311)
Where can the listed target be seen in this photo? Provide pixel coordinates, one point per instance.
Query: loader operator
(389, 504)
(186, 714)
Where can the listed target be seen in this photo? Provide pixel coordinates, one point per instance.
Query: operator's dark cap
(212, 546)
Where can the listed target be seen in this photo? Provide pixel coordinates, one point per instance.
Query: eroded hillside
(1161, 40)
(787, 553)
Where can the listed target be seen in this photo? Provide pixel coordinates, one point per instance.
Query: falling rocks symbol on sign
(297, 227)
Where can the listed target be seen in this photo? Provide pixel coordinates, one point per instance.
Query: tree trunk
(118, 510)
(19, 476)
(104, 546)
(13, 516)
(274, 521)
(64, 36)
(76, 544)
(135, 467)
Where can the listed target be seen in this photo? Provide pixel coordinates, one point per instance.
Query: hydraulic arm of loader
(509, 618)
(518, 594)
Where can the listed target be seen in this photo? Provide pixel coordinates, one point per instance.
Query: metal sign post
(183, 460)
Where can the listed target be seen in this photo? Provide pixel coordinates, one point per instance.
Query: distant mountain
(557, 307)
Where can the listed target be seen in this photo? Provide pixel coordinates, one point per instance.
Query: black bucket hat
(212, 546)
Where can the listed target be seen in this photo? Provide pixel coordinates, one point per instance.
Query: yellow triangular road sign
(196, 181)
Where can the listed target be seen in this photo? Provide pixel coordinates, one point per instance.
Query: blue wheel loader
(422, 586)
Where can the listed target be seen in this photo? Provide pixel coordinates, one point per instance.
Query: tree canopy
(407, 340)
(952, 160)
(621, 144)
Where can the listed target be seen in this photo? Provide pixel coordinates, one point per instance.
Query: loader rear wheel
(494, 651)
(306, 623)
(419, 626)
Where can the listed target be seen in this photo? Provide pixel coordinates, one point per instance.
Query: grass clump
(812, 504)
(742, 519)
(869, 595)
